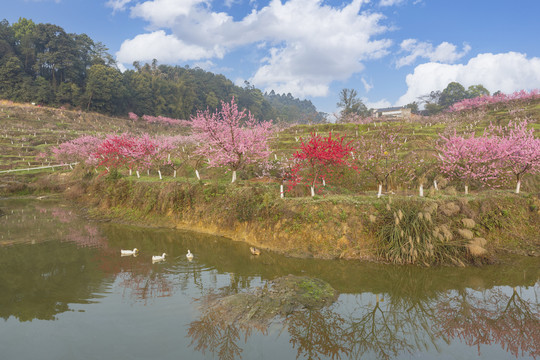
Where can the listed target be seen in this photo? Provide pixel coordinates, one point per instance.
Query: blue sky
(390, 51)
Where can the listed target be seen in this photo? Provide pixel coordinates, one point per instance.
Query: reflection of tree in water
(216, 332)
(492, 317)
(145, 285)
(382, 328)
(318, 334)
(377, 331)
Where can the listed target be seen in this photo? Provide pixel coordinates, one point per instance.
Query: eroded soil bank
(440, 229)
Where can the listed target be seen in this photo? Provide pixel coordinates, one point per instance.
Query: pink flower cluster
(500, 152)
(115, 151)
(230, 137)
(482, 101)
(158, 119)
(78, 150)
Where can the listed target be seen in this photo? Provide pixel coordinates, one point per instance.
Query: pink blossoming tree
(472, 159)
(230, 137)
(521, 150)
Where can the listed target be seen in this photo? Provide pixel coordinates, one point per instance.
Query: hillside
(345, 220)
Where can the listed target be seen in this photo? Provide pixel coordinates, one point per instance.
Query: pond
(67, 293)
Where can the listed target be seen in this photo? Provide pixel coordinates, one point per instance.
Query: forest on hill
(42, 64)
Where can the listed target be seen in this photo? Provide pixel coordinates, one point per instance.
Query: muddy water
(66, 293)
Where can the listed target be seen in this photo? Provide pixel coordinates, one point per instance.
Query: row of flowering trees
(499, 98)
(489, 159)
(234, 139)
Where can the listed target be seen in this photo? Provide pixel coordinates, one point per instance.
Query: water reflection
(381, 328)
(51, 259)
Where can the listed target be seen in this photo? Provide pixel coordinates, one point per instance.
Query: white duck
(156, 258)
(129, 252)
(189, 255)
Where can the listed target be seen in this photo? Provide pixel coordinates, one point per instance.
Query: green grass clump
(409, 234)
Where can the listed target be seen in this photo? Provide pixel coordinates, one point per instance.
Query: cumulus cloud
(159, 45)
(304, 54)
(381, 104)
(507, 72)
(444, 52)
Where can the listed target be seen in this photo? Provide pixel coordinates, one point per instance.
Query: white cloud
(381, 104)
(391, 2)
(367, 86)
(507, 72)
(444, 52)
(164, 13)
(117, 5)
(304, 53)
(158, 45)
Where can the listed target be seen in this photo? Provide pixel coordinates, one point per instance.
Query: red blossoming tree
(316, 157)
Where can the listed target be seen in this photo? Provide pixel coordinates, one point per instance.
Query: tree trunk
(197, 174)
(138, 175)
(466, 189)
(380, 191)
(421, 190)
(281, 194)
(174, 174)
(159, 172)
(518, 186)
(435, 185)
(312, 191)
(233, 176)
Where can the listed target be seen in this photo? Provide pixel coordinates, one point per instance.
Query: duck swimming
(129, 252)
(254, 251)
(156, 258)
(189, 255)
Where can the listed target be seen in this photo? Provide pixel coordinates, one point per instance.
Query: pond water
(66, 293)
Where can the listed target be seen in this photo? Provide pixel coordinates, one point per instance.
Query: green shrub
(408, 234)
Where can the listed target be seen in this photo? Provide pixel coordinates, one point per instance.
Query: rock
(283, 296)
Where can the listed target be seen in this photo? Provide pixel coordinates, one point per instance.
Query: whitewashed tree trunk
(323, 182)
(466, 189)
(421, 190)
(159, 172)
(435, 185)
(148, 172)
(312, 191)
(138, 175)
(168, 157)
(518, 186)
(281, 194)
(130, 172)
(380, 191)
(275, 156)
(174, 174)
(197, 174)
(233, 176)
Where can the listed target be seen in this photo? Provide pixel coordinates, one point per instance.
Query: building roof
(396, 108)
